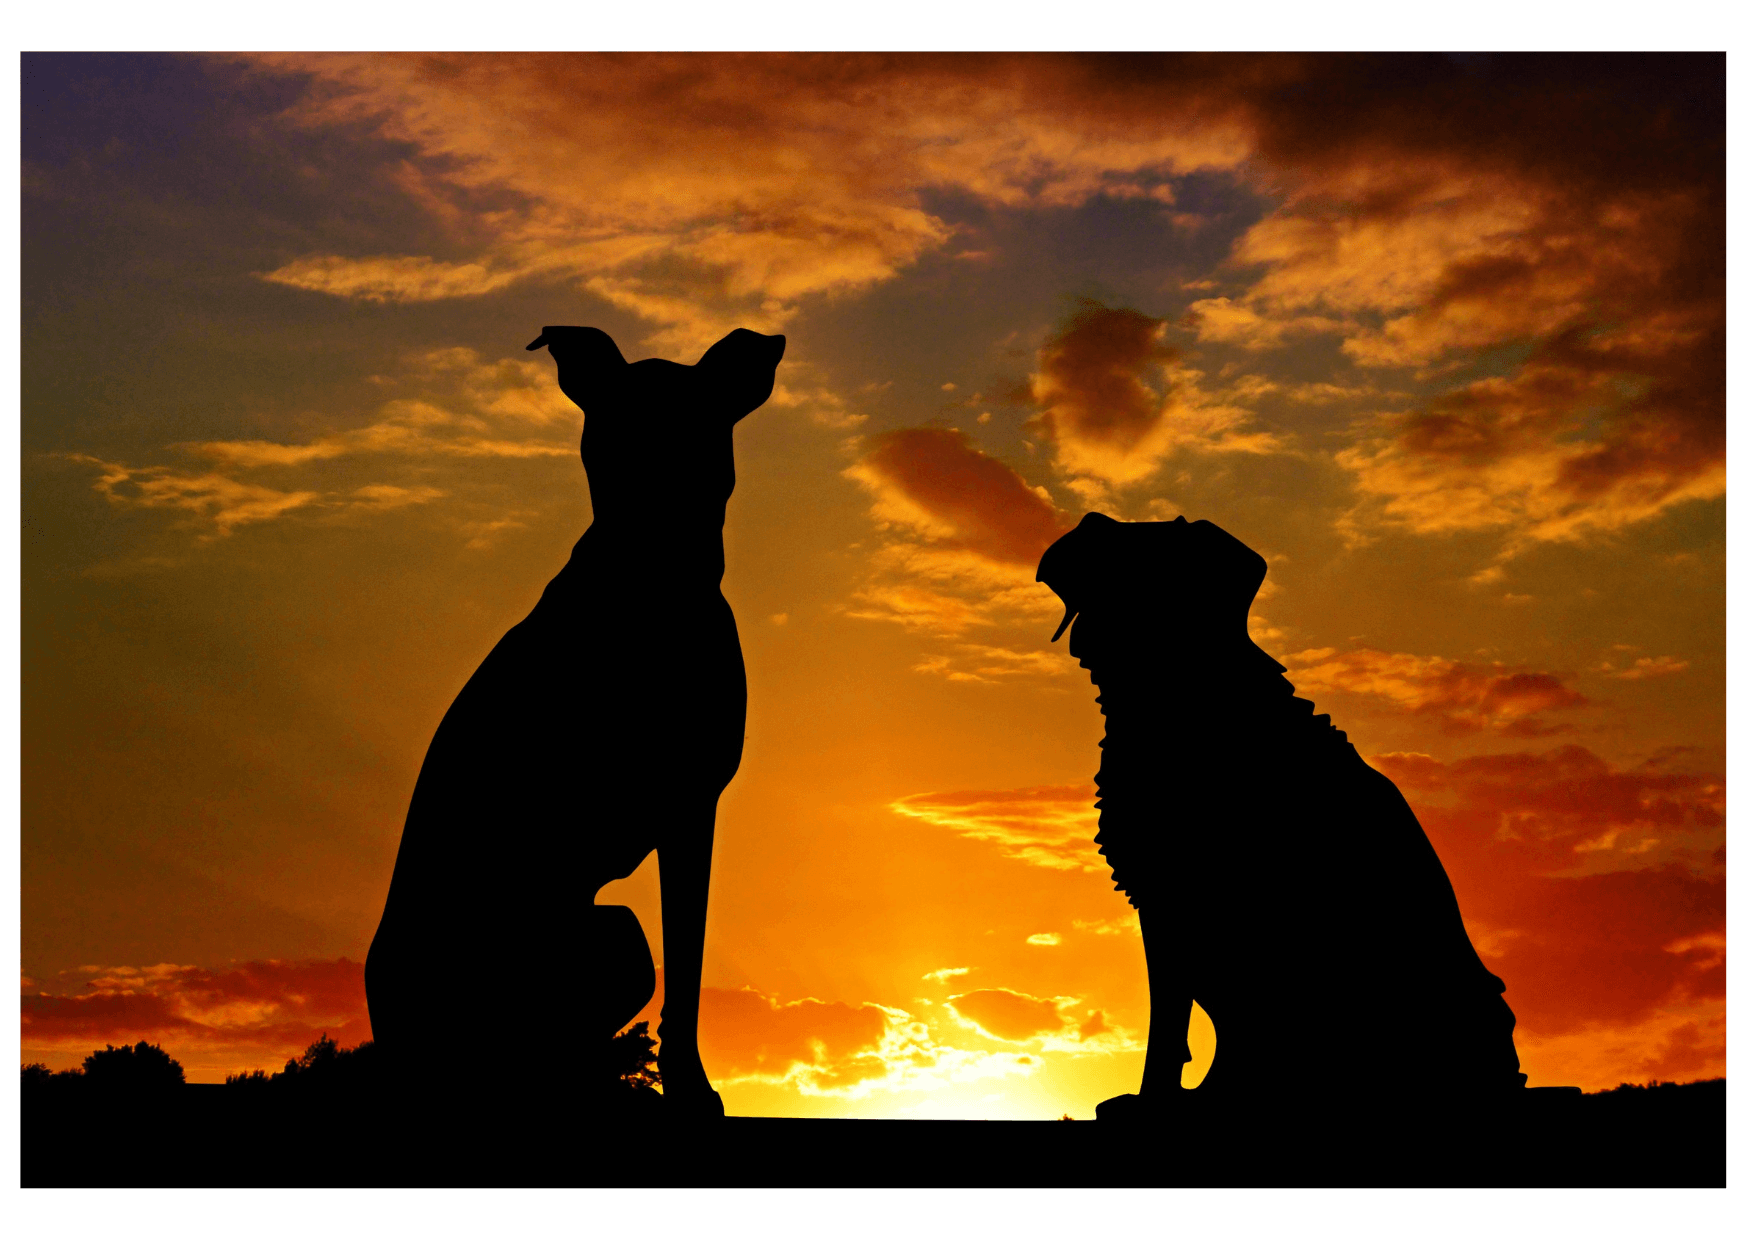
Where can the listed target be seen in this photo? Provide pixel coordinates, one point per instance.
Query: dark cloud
(1093, 378)
(942, 482)
(1516, 831)
(1605, 948)
(1553, 810)
(1463, 697)
(1432, 208)
(1567, 206)
(264, 1008)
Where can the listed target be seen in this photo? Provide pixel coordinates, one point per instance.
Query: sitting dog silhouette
(1281, 882)
(604, 726)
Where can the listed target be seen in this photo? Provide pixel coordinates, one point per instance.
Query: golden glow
(273, 525)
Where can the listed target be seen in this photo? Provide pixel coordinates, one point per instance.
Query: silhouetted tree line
(137, 1067)
(1654, 1086)
(628, 1066)
(324, 1065)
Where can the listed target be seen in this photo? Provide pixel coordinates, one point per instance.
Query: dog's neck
(1204, 685)
(666, 535)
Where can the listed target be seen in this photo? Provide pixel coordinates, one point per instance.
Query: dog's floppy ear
(740, 370)
(1229, 572)
(591, 369)
(1074, 564)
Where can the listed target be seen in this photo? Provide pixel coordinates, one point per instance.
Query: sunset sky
(1441, 337)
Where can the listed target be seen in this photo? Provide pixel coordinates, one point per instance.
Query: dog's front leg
(1168, 1022)
(684, 855)
(1168, 1031)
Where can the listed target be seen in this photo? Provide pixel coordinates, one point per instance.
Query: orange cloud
(1602, 949)
(1050, 826)
(936, 482)
(1420, 220)
(1645, 669)
(1010, 1015)
(743, 1033)
(1597, 893)
(216, 1021)
(917, 607)
(1464, 697)
(1220, 320)
(1511, 454)
(825, 407)
(673, 183)
(390, 278)
(988, 665)
(1568, 809)
(1678, 1042)
(1128, 924)
(459, 406)
(218, 502)
(510, 394)
(839, 1050)
(965, 535)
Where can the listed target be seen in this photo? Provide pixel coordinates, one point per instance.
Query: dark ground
(214, 1135)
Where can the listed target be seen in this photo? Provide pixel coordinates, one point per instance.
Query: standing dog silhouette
(1281, 882)
(600, 728)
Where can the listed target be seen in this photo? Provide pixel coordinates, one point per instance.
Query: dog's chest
(1210, 746)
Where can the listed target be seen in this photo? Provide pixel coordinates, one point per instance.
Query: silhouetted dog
(603, 726)
(1281, 882)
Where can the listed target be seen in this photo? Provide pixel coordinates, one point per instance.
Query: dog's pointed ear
(591, 369)
(741, 369)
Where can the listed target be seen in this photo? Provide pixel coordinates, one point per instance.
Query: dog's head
(733, 378)
(1190, 577)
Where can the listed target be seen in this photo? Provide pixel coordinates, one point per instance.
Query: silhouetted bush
(37, 1079)
(627, 1064)
(1628, 1089)
(325, 1064)
(140, 1066)
(630, 1061)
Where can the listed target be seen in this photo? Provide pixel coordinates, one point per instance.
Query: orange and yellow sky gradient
(1441, 337)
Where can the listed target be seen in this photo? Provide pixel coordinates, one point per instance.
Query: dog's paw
(693, 1104)
(1123, 1109)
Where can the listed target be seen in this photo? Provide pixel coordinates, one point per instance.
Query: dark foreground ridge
(212, 1136)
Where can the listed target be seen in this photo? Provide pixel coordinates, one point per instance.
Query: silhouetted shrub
(322, 1055)
(39, 1080)
(630, 1061)
(325, 1064)
(627, 1064)
(140, 1066)
(1647, 1094)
